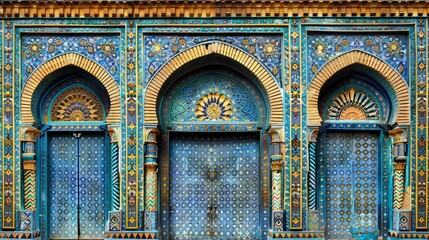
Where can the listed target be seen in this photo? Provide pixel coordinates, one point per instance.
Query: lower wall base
(294, 235)
(131, 235)
(20, 235)
(393, 235)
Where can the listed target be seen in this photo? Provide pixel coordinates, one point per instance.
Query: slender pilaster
(276, 155)
(28, 156)
(151, 176)
(399, 139)
(115, 180)
(398, 184)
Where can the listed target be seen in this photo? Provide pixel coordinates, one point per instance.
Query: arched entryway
(213, 115)
(357, 107)
(70, 107)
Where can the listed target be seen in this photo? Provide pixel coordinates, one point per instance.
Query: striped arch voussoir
(62, 61)
(268, 82)
(394, 78)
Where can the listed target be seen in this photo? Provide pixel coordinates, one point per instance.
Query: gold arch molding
(79, 61)
(394, 78)
(272, 89)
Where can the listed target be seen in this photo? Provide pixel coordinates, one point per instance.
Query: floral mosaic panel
(103, 49)
(214, 97)
(324, 47)
(159, 49)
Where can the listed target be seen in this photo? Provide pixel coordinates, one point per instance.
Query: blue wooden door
(352, 184)
(214, 182)
(76, 185)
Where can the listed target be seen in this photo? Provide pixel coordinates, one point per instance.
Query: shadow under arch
(377, 69)
(274, 92)
(81, 62)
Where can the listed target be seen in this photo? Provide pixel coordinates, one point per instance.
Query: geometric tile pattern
(131, 235)
(27, 220)
(313, 220)
(77, 177)
(402, 220)
(9, 194)
(351, 184)
(102, 49)
(276, 192)
(115, 221)
(159, 49)
(151, 187)
(296, 140)
(30, 189)
(189, 101)
(214, 186)
(391, 48)
(278, 220)
(132, 135)
(150, 220)
(398, 185)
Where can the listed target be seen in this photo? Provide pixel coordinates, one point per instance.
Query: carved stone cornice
(213, 8)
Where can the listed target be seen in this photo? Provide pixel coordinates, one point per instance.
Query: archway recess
(85, 64)
(402, 111)
(273, 91)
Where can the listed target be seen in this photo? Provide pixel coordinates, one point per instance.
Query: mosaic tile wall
(132, 51)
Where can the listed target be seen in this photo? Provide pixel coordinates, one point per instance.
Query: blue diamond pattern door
(77, 176)
(351, 184)
(214, 184)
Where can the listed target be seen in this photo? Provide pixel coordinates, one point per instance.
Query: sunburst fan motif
(77, 104)
(353, 104)
(213, 106)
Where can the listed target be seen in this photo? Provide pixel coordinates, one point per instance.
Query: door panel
(214, 186)
(77, 176)
(352, 186)
(92, 192)
(63, 187)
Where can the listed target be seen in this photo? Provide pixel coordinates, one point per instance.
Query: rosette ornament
(213, 106)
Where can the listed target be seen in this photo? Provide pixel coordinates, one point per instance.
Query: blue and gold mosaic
(160, 48)
(214, 186)
(352, 181)
(323, 47)
(103, 49)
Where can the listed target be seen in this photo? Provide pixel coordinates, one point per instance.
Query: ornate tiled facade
(214, 120)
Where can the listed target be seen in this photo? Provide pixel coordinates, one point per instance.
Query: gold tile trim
(347, 59)
(211, 8)
(268, 82)
(79, 61)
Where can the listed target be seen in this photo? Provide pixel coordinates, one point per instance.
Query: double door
(76, 182)
(352, 184)
(214, 183)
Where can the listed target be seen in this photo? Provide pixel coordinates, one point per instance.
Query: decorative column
(401, 207)
(399, 138)
(115, 216)
(114, 153)
(276, 155)
(28, 156)
(151, 176)
(398, 185)
(313, 212)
